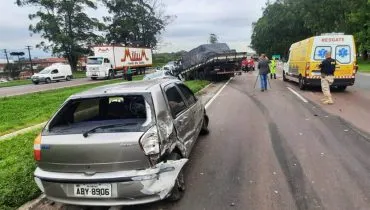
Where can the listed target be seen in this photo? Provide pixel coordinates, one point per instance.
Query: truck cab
(99, 68)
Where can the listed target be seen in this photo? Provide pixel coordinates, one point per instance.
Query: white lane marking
(218, 93)
(297, 94)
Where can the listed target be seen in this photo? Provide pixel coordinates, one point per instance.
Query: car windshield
(45, 71)
(131, 112)
(94, 61)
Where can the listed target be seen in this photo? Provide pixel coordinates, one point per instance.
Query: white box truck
(55, 72)
(110, 61)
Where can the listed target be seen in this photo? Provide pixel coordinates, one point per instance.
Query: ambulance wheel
(301, 83)
(284, 77)
(341, 88)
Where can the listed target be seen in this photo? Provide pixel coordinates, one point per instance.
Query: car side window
(189, 96)
(175, 101)
(55, 71)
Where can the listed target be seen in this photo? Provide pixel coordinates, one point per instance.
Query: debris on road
(201, 173)
(322, 154)
(274, 173)
(232, 204)
(300, 134)
(276, 192)
(346, 130)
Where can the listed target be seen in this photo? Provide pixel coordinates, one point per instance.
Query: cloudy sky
(230, 20)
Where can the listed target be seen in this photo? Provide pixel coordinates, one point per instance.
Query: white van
(55, 72)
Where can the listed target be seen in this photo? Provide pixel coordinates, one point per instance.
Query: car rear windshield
(127, 113)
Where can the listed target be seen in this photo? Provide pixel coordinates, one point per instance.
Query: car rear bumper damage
(127, 187)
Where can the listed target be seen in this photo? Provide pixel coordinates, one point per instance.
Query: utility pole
(6, 55)
(29, 55)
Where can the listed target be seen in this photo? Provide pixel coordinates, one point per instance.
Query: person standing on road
(327, 67)
(264, 69)
(273, 68)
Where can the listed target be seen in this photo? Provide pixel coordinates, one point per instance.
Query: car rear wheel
(302, 84)
(178, 190)
(205, 130)
(284, 77)
(68, 78)
(47, 80)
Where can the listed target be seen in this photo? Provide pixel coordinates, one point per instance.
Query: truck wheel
(110, 75)
(68, 78)
(301, 84)
(47, 80)
(179, 188)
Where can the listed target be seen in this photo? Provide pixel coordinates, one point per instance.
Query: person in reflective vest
(273, 68)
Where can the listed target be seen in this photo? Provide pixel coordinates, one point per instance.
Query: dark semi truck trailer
(212, 62)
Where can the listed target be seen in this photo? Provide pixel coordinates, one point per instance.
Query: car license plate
(93, 190)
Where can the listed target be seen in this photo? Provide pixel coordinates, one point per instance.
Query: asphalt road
(270, 150)
(24, 89)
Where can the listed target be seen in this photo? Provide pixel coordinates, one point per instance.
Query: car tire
(178, 190)
(47, 80)
(204, 130)
(301, 84)
(284, 77)
(68, 78)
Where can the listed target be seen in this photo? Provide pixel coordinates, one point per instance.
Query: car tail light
(150, 141)
(37, 148)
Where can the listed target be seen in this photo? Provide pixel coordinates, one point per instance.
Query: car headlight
(150, 141)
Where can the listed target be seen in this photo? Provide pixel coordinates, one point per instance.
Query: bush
(17, 185)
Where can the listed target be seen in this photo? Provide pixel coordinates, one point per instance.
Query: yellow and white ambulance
(305, 57)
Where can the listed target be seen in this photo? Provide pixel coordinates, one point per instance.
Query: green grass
(18, 112)
(16, 175)
(15, 83)
(196, 85)
(79, 74)
(364, 66)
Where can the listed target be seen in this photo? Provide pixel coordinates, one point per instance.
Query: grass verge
(197, 85)
(15, 83)
(16, 159)
(18, 112)
(364, 66)
(16, 175)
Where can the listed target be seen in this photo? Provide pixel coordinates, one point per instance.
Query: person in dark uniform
(327, 67)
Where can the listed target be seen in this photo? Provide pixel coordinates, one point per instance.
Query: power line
(29, 55)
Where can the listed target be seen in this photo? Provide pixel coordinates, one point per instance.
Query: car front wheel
(205, 130)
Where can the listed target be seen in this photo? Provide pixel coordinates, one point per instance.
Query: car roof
(124, 87)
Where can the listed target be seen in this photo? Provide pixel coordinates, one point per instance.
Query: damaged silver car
(121, 144)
